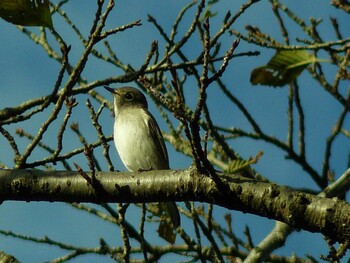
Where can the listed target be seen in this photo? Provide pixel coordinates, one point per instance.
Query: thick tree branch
(297, 209)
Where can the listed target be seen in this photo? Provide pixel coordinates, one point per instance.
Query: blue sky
(27, 73)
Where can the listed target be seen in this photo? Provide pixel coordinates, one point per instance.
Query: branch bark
(328, 216)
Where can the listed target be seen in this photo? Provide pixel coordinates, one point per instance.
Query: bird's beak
(109, 89)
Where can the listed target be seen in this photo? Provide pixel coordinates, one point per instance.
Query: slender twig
(330, 140)
(101, 136)
(64, 157)
(142, 232)
(75, 128)
(227, 23)
(209, 236)
(318, 74)
(224, 65)
(177, 46)
(325, 45)
(126, 253)
(196, 229)
(67, 89)
(50, 98)
(71, 103)
(290, 136)
(283, 28)
(23, 133)
(300, 109)
(177, 22)
(291, 154)
(120, 29)
(204, 77)
(335, 25)
(342, 71)
(154, 48)
(12, 142)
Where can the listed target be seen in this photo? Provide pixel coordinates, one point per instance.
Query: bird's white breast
(134, 142)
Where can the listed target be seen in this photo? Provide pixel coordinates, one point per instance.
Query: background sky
(27, 72)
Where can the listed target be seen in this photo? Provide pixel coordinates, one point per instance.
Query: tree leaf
(240, 165)
(284, 67)
(26, 12)
(165, 228)
(166, 231)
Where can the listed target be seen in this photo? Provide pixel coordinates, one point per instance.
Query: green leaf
(284, 67)
(165, 228)
(166, 231)
(236, 166)
(26, 12)
(208, 13)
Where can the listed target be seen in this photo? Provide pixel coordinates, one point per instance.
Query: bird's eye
(129, 96)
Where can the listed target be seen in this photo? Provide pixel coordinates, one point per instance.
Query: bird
(137, 137)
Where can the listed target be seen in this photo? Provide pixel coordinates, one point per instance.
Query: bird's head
(127, 98)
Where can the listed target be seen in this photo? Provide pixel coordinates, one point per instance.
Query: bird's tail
(174, 214)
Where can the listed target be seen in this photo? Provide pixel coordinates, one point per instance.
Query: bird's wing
(157, 137)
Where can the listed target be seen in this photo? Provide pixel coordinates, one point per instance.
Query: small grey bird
(137, 137)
